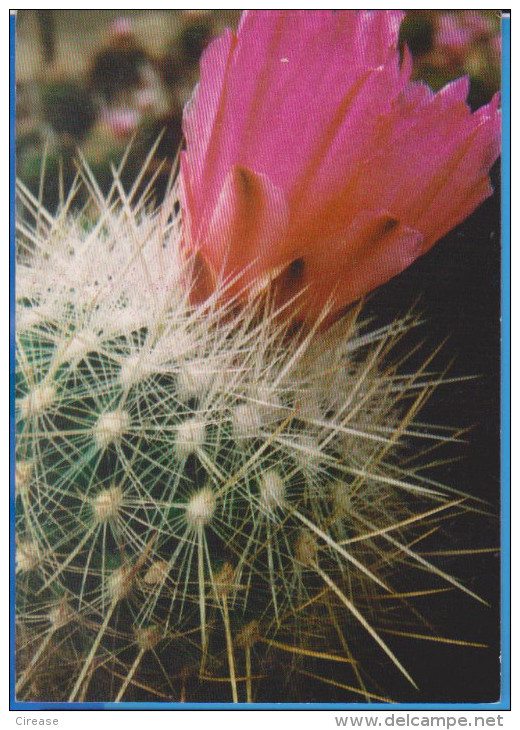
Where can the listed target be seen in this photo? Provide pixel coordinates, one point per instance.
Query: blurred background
(94, 79)
(91, 80)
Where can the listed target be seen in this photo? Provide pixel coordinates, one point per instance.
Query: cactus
(203, 490)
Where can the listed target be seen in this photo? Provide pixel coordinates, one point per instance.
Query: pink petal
(247, 223)
(373, 249)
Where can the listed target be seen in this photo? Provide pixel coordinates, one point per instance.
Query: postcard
(257, 397)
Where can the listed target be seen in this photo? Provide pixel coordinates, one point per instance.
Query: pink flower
(481, 26)
(121, 121)
(312, 158)
(458, 33)
(452, 39)
(120, 28)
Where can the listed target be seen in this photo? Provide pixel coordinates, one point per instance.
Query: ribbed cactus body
(201, 488)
